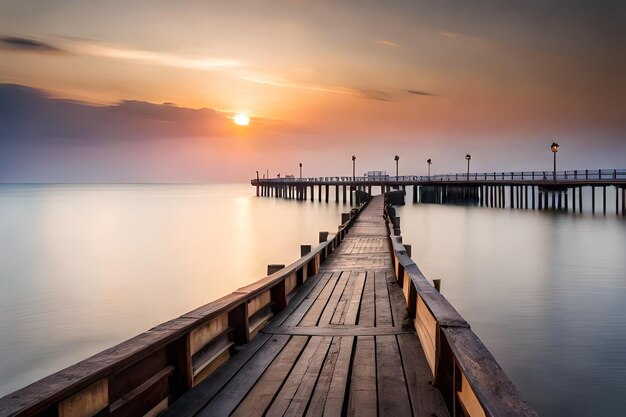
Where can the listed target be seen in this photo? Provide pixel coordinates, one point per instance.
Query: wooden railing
(467, 375)
(582, 175)
(144, 375)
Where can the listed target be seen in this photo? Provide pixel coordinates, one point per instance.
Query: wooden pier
(350, 329)
(342, 347)
(535, 190)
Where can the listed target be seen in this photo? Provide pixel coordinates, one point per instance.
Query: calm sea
(546, 292)
(85, 267)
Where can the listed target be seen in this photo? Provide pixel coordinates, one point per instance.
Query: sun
(241, 119)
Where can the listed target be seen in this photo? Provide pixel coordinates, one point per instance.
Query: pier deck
(339, 348)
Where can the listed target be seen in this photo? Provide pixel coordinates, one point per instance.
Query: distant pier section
(534, 190)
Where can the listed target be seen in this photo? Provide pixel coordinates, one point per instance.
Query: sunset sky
(321, 80)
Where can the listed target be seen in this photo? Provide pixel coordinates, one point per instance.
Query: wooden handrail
(159, 363)
(464, 370)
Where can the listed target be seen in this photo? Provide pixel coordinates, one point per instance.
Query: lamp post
(554, 148)
(257, 176)
(429, 162)
(300, 170)
(468, 157)
(353, 167)
(397, 158)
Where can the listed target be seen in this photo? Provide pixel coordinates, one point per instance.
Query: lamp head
(468, 157)
(554, 147)
(396, 158)
(354, 157)
(429, 161)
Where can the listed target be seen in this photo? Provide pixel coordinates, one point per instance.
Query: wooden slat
(425, 398)
(301, 301)
(393, 399)
(352, 310)
(338, 384)
(318, 399)
(190, 403)
(383, 308)
(261, 395)
(342, 305)
(363, 391)
(338, 330)
(231, 395)
(333, 301)
(312, 316)
(295, 394)
(367, 313)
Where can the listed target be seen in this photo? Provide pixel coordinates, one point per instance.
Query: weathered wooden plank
(192, 401)
(367, 312)
(295, 394)
(393, 398)
(352, 311)
(342, 305)
(318, 399)
(363, 393)
(312, 316)
(261, 395)
(338, 385)
(383, 308)
(339, 330)
(425, 398)
(231, 395)
(333, 301)
(301, 301)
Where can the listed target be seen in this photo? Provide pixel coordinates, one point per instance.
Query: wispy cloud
(23, 44)
(100, 49)
(387, 43)
(419, 93)
(104, 50)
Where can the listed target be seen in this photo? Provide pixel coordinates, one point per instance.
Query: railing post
(323, 237)
(238, 320)
(305, 250)
(277, 292)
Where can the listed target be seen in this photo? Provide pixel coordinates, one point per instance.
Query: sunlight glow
(241, 119)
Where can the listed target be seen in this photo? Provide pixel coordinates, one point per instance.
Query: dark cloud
(27, 45)
(419, 93)
(28, 114)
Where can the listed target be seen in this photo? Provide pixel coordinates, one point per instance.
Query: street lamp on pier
(429, 162)
(468, 157)
(353, 167)
(554, 148)
(257, 176)
(300, 170)
(397, 158)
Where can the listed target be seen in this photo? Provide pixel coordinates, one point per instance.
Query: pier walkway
(342, 346)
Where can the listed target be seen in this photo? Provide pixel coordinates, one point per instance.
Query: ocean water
(545, 291)
(84, 267)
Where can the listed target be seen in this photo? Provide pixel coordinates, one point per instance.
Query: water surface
(546, 292)
(84, 267)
